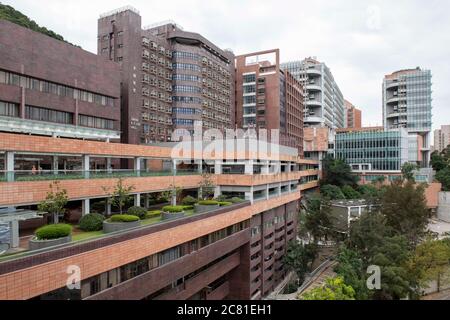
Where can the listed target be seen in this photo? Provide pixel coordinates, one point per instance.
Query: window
(48, 115)
(9, 109)
(249, 78)
(94, 122)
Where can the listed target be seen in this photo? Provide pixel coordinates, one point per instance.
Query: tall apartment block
(407, 104)
(48, 87)
(442, 138)
(268, 97)
(170, 78)
(324, 102)
(352, 116)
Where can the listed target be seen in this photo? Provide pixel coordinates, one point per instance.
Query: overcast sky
(360, 41)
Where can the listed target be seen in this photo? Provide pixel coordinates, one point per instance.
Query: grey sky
(360, 41)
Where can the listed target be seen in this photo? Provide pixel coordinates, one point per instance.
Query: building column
(174, 167)
(14, 229)
(199, 166)
(249, 167)
(173, 199)
(265, 168)
(55, 165)
(217, 192)
(107, 207)
(9, 162)
(217, 167)
(108, 165)
(85, 206)
(137, 166)
(249, 195)
(137, 200)
(86, 165)
(146, 200)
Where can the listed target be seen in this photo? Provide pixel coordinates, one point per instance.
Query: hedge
(123, 218)
(53, 231)
(91, 222)
(225, 203)
(153, 214)
(189, 201)
(208, 203)
(173, 209)
(137, 211)
(236, 200)
(188, 208)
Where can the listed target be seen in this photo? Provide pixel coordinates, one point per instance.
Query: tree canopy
(337, 172)
(333, 289)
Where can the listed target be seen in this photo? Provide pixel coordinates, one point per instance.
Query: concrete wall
(444, 206)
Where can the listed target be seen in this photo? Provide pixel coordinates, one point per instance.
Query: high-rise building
(442, 138)
(407, 104)
(49, 87)
(352, 116)
(268, 97)
(170, 78)
(324, 102)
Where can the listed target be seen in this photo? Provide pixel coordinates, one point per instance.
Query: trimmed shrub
(222, 198)
(173, 209)
(153, 214)
(236, 200)
(123, 218)
(189, 201)
(91, 222)
(188, 207)
(53, 231)
(208, 203)
(137, 211)
(225, 203)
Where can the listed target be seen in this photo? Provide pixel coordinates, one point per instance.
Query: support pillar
(85, 206)
(137, 166)
(249, 195)
(14, 229)
(249, 167)
(265, 168)
(174, 167)
(55, 165)
(107, 207)
(146, 201)
(137, 200)
(86, 165)
(199, 166)
(217, 191)
(218, 167)
(9, 161)
(108, 165)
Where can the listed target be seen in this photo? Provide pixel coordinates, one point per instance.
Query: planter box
(109, 227)
(199, 208)
(169, 216)
(35, 244)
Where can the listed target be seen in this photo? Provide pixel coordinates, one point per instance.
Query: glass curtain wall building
(373, 150)
(407, 104)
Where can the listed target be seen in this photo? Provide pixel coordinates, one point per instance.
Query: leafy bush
(53, 231)
(188, 207)
(173, 209)
(225, 203)
(153, 214)
(350, 193)
(332, 192)
(236, 200)
(137, 211)
(123, 218)
(189, 201)
(208, 203)
(91, 222)
(222, 198)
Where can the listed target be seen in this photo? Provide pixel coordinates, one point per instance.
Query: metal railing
(45, 175)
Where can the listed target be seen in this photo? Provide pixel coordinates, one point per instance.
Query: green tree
(337, 172)
(332, 192)
(120, 194)
(438, 161)
(405, 209)
(206, 186)
(333, 289)
(443, 176)
(299, 257)
(54, 202)
(318, 222)
(351, 268)
(350, 193)
(397, 282)
(408, 171)
(431, 262)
